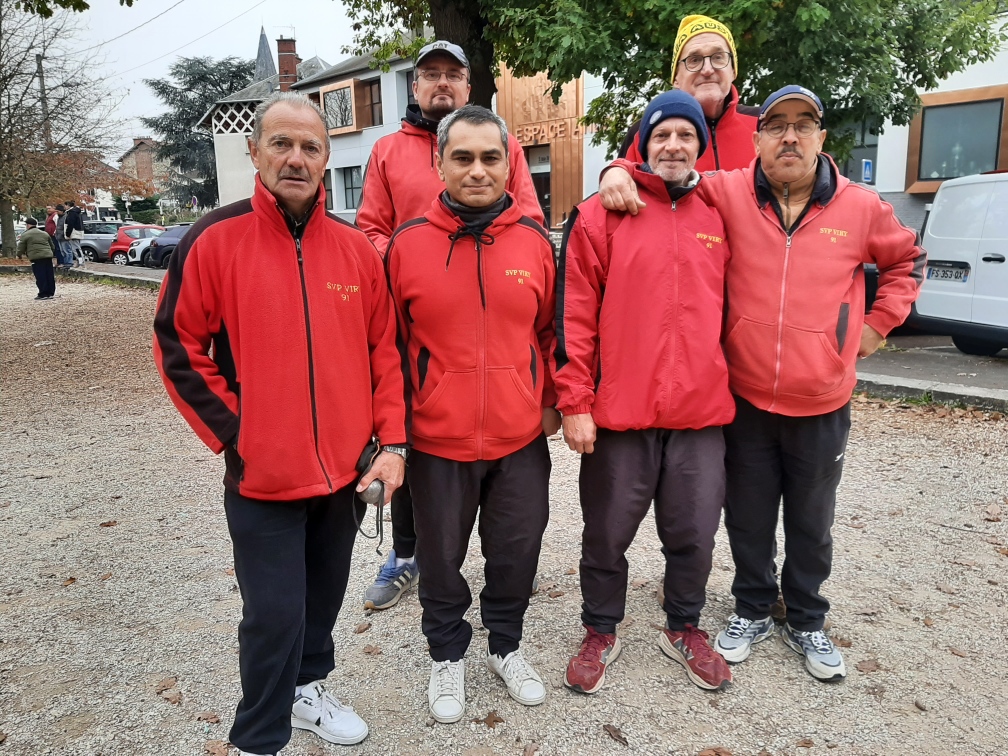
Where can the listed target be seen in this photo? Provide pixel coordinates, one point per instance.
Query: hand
(870, 341)
(619, 192)
(550, 421)
(390, 469)
(579, 432)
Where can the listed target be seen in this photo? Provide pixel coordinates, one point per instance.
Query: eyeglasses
(803, 127)
(694, 63)
(432, 75)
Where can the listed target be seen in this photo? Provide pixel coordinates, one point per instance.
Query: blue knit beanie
(672, 104)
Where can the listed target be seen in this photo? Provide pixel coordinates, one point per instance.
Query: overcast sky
(320, 27)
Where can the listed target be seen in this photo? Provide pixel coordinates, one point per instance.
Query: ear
(254, 152)
(415, 80)
(822, 140)
(755, 141)
(468, 91)
(439, 164)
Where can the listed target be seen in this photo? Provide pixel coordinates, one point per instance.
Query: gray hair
(292, 98)
(474, 114)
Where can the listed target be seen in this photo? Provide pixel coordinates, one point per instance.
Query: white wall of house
(235, 172)
(595, 158)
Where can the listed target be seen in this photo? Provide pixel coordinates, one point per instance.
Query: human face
(291, 156)
(474, 167)
(439, 98)
(672, 150)
(709, 85)
(789, 158)
(50, 209)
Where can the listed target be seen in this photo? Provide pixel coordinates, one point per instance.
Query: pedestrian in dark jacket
(73, 229)
(35, 244)
(62, 245)
(473, 285)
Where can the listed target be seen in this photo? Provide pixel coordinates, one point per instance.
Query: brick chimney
(288, 60)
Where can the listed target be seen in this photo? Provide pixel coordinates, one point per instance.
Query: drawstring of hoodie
(479, 239)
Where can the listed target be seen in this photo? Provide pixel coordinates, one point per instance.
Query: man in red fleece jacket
(275, 338)
(794, 330)
(400, 182)
(643, 388)
(473, 286)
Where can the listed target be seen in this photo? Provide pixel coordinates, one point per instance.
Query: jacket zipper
(311, 363)
(713, 141)
(675, 303)
(481, 390)
(780, 324)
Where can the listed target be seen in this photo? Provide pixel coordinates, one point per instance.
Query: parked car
(126, 236)
(965, 289)
(138, 251)
(160, 250)
(98, 237)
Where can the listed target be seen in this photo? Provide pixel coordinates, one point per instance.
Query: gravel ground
(117, 575)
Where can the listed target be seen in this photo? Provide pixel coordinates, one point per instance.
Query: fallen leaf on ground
(555, 594)
(868, 665)
(920, 705)
(958, 652)
(372, 650)
(166, 684)
(491, 720)
(841, 641)
(570, 571)
(229, 571)
(173, 696)
(69, 581)
(964, 562)
(715, 751)
(1003, 552)
(547, 586)
(531, 749)
(928, 622)
(639, 583)
(106, 576)
(208, 716)
(615, 733)
(216, 748)
(315, 750)
(362, 627)
(3, 737)
(946, 588)
(993, 513)
(805, 743)
(108, 524)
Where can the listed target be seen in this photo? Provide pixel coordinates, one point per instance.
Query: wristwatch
(402, 451)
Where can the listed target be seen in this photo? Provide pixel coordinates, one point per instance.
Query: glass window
(352, 185)
(327, 183)
(338, 108)
(959, 211)
(997, 213)
(132, 233)
(959, 140)
(152, 232)
(372, 101)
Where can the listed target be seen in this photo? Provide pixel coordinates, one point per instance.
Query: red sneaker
(704, 666)
(586, 671)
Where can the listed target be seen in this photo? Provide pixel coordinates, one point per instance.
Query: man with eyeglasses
(706, 65)
(794, 329)
(400, 183)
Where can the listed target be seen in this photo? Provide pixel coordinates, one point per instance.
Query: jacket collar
(439, 215)
(415, 119)
(266, 207)
(828, 183)
(653, 183)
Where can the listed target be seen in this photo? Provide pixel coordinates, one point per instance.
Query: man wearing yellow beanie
(706, 64)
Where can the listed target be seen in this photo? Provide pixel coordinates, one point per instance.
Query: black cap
(444, 47)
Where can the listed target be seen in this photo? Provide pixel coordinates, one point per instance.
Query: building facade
(140, 162)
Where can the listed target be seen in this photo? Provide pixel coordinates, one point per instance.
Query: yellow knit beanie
(690, 26)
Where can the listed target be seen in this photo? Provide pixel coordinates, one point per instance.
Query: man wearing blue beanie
(642, 385)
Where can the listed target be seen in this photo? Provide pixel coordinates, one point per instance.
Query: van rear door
(990, 294)
(952, 240)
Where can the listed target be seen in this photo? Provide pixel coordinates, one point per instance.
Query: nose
(707, 67)
(790, 135)
(478, 170)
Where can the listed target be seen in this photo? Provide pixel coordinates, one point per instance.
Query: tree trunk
(7, 227)
(461, 23)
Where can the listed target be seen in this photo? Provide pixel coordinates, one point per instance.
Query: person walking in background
(36, 245)
(62, 245)
(73, 229)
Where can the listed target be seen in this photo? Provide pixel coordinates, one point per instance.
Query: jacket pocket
(810, 365)
(750, 351)
(511, 409)
(450, 410)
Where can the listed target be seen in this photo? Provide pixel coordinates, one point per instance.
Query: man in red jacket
(275, 338)
(643, 388)
(473, 286)
(794, 329)
(706, 65)
(400, 182)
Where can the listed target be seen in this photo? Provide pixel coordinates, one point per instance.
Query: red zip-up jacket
(401, 180)
(281, 350)
(729, 139)
(796, 301)
(639, 313)
(476, 319)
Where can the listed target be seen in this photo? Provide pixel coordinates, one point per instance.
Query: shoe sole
(304, 724)
(673, 653)
(734, 659)
(446, 720)
(522, 701)
(613, 656)
(370, 604)
(796, 647)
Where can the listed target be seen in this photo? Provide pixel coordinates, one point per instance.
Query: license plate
(958, 275)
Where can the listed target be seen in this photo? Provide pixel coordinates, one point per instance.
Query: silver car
(98, 237)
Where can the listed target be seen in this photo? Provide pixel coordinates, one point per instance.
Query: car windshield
(155, 231)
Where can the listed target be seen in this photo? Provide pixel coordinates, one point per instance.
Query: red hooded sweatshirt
(476, 317)
(401, 180)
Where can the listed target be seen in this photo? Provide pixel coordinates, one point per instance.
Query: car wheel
(165, 260)
(976, 347)
(145, 259)
(88, 253)
(120, 258)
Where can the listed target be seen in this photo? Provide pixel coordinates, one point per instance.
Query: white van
(965, 289)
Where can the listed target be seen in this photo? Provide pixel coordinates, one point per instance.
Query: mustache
(790, 150)
(294, 173)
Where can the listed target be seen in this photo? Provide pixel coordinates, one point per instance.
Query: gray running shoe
(735, 642)
(392, 582)
(822, 659)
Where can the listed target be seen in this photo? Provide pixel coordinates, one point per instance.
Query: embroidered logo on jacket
(521, 275)
(833, 233)
(709, 240)
(344, 290)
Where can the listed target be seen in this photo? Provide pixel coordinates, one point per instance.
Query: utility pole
(46, 128)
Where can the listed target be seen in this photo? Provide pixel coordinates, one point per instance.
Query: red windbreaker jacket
(280, 350)
(639, 313)
(401, 181)
(476, 319)
(730, 142)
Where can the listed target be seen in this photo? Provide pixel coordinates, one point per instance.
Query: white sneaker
(446, 692)
(319, 711)
(249, 753)
(523, 682)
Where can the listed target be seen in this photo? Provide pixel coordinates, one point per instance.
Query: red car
(126, 236)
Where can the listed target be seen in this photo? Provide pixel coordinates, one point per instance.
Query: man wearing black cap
(642, 386)
(400, 183)
(794, 330)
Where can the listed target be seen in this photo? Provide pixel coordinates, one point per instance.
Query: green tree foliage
(45, 8)
(194, 85)
(865, 58)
